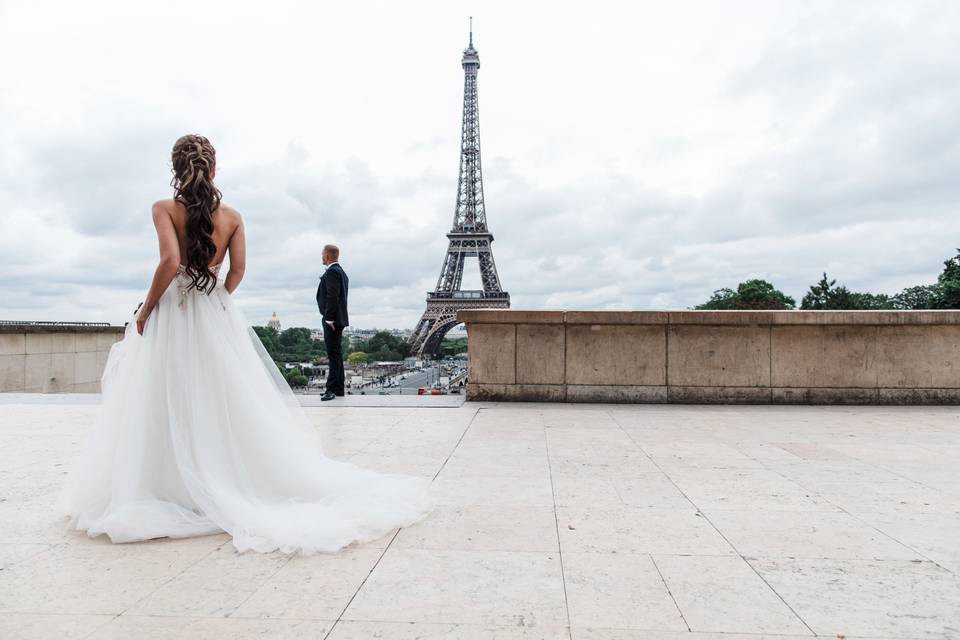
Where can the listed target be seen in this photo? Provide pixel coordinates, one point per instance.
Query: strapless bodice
(182, 269)
(183, 281)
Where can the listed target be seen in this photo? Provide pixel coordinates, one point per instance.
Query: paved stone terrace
(555, 521)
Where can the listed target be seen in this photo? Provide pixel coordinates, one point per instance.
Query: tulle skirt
(198, 433)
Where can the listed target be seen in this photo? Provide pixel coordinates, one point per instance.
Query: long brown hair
(194, 161)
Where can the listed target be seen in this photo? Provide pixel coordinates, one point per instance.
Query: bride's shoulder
(166, 207)
(230, 213)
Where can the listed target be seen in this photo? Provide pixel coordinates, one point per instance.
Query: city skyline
(637, 155)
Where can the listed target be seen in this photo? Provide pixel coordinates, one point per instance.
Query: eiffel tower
(469, 236)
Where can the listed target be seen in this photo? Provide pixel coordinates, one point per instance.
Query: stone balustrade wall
(757, 357)
(54, 359)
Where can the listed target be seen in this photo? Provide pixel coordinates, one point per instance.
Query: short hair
(333, 250)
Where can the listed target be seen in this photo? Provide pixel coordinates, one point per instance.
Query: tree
(357, 358)
(295, 377)
(752, 294)
(453, 346)
(924, 296)
(295, 337)
(270, 339)
(826, 295)
(949, 284)
(385, 342)
(297, 380)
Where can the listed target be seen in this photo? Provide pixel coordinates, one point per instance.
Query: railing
(769, 357)
(44, 323)
(470, 295)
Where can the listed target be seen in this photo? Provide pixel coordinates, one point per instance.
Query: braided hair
(194, 161)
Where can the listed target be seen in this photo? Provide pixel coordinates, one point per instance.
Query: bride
(198, 433)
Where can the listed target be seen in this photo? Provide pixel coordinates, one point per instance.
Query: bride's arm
(166, 269)
(238, 257)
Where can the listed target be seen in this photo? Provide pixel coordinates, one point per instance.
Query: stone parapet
(754, 357)
(52, 358)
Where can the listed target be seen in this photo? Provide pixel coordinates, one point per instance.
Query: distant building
(357, 335)
(274, 322)
(459, 331)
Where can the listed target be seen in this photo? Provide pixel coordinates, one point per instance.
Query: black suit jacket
(332, 295)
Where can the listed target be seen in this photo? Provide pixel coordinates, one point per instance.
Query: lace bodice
(183, 281)
(182, 269)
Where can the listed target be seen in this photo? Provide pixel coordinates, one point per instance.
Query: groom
(332, 301)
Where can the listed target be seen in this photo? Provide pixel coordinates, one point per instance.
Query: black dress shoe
(329, 395)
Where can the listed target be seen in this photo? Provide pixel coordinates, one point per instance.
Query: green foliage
(294, 337)
(383, 346)
(453, 346)
(948, 283)
(270, 339)
(357, 358)
(924, 296)
(296, 379)
(752, 294)
(826, 295)
(291, 345)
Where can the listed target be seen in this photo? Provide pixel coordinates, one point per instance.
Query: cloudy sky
(636, 154)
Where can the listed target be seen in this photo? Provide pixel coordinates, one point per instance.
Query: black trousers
(335, 376)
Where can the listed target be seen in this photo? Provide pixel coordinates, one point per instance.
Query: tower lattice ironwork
(469, 236)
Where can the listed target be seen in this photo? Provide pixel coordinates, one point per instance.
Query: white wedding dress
(198, 433)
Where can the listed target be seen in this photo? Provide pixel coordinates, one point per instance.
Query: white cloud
(635, 155)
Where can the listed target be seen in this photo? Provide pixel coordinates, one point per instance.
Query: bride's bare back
(170, 219)
(226, 224)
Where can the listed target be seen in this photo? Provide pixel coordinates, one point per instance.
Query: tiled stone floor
(553, 521)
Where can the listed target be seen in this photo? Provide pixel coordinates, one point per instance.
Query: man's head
(331, 253)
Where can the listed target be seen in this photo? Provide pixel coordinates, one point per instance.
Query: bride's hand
(142, 321)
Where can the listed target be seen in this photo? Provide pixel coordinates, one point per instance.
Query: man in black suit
(332, 302)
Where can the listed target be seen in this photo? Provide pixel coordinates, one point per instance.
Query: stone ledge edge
(741, 318)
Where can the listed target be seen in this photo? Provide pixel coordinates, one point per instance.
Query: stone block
(540, 353)
(38, 369)
(516, 392)
(106, 339)
(616, 394)
(824, 356)
(13, 344)
(615, 317)
(87, 368)
(492, 353)
(12, 372)
(718, 395)
(915, 356)
(722, 356)
(86, 341)
(62, 372)
(631, 355)
(505, 316)
(820, 395)
(39, 343)
(63, 342)
(919, 396)
(740, 318)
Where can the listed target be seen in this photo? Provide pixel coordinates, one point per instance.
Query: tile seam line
(855, 516)
(556, 522)
(720, 533)
(172, 578)
(653, 561)
(397, 533)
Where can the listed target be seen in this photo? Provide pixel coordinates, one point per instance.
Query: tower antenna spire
(471, 31)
